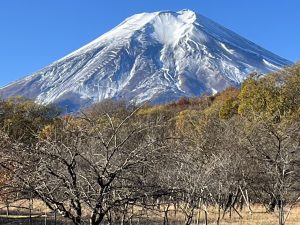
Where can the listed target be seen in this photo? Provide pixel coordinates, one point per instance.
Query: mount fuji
(156, 57)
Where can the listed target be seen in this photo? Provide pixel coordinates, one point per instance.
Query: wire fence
(34, 220)
(28, 213)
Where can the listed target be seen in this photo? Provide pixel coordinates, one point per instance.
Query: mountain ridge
(155, 57)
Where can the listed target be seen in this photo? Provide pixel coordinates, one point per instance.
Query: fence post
(55, 217)
(30, 208)
(45, 215)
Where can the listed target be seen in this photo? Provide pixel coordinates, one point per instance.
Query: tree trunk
(281, 215)
(7, 210)
(166, 211)
(189, 220)
(198, 217)
(76, 220)
(219, 213)
(97, 219)
(206, 217)
(272, 204)
(219, 203)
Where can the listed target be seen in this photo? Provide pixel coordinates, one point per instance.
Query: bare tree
(87, 169)
(275, 148)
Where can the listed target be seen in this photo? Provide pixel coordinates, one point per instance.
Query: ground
(42, 216)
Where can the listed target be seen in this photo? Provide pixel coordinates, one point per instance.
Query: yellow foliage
(186, 119)
(229, 109)
(274, 97)
(152, 110)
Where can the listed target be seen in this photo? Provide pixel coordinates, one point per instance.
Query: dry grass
(258, 217)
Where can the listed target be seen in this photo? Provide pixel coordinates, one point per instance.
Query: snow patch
(169, 29)
(271, 65)
(230, 51)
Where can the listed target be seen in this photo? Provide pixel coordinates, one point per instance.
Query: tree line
(228, 151)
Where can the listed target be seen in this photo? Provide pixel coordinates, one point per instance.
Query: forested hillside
(115, 162)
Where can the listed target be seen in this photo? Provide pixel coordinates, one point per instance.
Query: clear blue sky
(34, 33)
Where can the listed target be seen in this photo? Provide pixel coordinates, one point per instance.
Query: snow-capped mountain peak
(158, 56)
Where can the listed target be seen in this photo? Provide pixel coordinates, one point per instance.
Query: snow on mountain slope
(157, 56)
